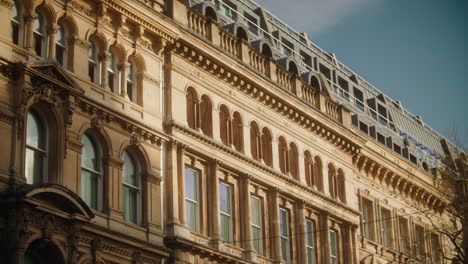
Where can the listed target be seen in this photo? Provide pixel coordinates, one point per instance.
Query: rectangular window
(387, 232)
(306, 59)
(420, 250)
(359, 98)
(310, 241)
(284, 235)
(343, 90)
(192, 208)
(383, 118)
(436, 253)
(227, 8)
(404, 235)
(257, 224)
(251, 24)
(333, 247)
(286, 47)
(367, 219)
(225, 212)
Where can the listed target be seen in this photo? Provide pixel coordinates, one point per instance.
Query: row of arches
(231, 127)
(42, 145)
(53, 36)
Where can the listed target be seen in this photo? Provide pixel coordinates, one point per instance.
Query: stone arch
(48, 10)
(238, 131)
(267, 146)
(119, 51)
(100, 39)
(341, 184)
(99, 133)
(192, 107)
(332, 180)
(139, 61)
(69, 22)
(255, 145)
(309, 168)
(312, 79)
(239, 29)
(264, 46)
(318, 173)
(294, 160)
(45, 251)
(225, 124)
(283, 154)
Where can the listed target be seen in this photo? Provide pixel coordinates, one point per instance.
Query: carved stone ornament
(97, 121)
(135, 139)
(7, 3)
(44, 92)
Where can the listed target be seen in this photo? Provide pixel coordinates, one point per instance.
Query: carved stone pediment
(51, 71)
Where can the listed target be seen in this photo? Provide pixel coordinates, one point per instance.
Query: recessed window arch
(192, 108)
(255, 145)
(294, 161)
(16, 23)
(292, 68)
(332, 181)
(43, 251)
(314, 82)
(224, 125)
(309, 168)
(91, 172)
(131, 181)
(241, 33)
(283, 155)
(94, 71)
(237, 132)
(267, 151)
(206, 119)
(318, 173)
(131, 81)
(112, 73)
(341, 186)
(36, 148)
(61, 44)
(40, 34)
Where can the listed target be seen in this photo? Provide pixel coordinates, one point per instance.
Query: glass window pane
(191, 184)
(34, 166)
(39, 23)
(89, 188)
(129, 170)
(225, 198)
(226, 228)
(130, 205)
(35, 132)
(191, 211)
(89, 155)
(60, 36)
(257, 239)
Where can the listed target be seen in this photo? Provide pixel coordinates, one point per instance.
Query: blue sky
(415, 51)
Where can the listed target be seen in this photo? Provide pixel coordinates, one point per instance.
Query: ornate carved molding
(7, 3)
(147, 77)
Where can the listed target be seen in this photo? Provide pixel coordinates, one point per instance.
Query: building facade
(165, 131)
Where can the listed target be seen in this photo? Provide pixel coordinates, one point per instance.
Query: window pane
(89, 155)
(34, 166)
(129, 170)
(256, 211)
(191, 211)
(130, 205)
(226, 228)
(284, 222)
(191, 184)
(89, 188)
(257, 239)
(35, 132)
(225, 198)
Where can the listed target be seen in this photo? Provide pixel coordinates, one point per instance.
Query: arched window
(242, 34)
(314, 82)
(39, 35)
(192, 108)
(309, 169)
(16, 23)
(255, 146)
(43, 251)
(112, 73)
(341, 186)
(131, 189)
(93, 63)
(205, 116)
(318, 173)
(131, 84)
(332, 181)
(238, 132)
(266, 147)
(292, 68)
(283, 155)
(91, 173)
(224, 125)
(294, 161)
(36, 149)
(61, 45)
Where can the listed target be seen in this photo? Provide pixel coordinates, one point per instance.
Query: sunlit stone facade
(151, 131)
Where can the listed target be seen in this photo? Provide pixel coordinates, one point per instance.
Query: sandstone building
(164, 131)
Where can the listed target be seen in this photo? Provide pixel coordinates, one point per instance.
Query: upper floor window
(192, 199)
(61, 45)
(192, 108)
(284, 235)
(237, 132)
(283, 155)
(36, 149)
(334, 258)
(367, 219)
(39, 35)
(267, 152)
(436, 254)
(387, 230)
(93, 63)
(255, 145)
(256, 215)
(225, 204)
(419, 243)
(91, 173)
(332, 181)
(310, 241)
(404, 235)
(16, 23)
(206, 116)
(225, 124)
(131, 84)
(294, 161)
(112, 73)
(309, 169)
(131, 189)
(318, 173)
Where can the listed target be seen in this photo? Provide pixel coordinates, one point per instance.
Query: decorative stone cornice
(257, 164)
(268, 98)
(395, 182)
(103, 117)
